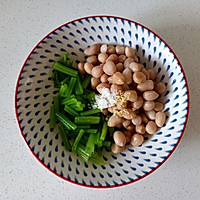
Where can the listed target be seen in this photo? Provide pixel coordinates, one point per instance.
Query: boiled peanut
(109, 68)
(128, 75)
(160, 88)
(151, 127)
(148, 85)
(94, 82)
(131, 95)
(150, 95)
(119, 138)
(116, 88)
(130, 52)
(117, 149)
(137, 120)
(140, 129)
(110, 49)
(120, 49)
(158, 106)
(151, 114)
(97, 71)
(120, 67)
(104, 78)
(126, 123)
(110, 80)
(137, 140)
(148, 105)
(127, 62)
(113, 57)
(139, 77)
(138, 103)
(92, 59)
(128, 113)
(114, 120)
(118, 78)
(135, 67)
(160, 119)
(81, 69)
(103, 48)
(93, 50)
(88, 67)
(102, 57)
(121, 58)
(152, 74)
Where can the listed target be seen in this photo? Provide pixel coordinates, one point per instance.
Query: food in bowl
(111, 101)
(35, 91)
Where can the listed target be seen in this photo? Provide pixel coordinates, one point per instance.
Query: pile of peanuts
(137, 111)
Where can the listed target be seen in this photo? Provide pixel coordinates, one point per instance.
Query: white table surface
(23, 23)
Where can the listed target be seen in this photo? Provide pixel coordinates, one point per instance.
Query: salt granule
(106, 99)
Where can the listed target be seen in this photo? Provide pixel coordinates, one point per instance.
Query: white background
(23, 24)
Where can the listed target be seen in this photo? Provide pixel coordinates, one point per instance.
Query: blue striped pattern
(35, 91)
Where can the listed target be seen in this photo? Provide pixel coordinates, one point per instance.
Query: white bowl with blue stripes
(35, 90)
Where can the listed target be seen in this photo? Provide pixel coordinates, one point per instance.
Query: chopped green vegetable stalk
(66, 70)
(95, 158)
(91, 97)
(86, 82)
(87, 120)
(83, 140)
(83, 126)
(78, 87)
(52, 117)
(65, 60)
(71, 111)
(78, 106)
(70, 63)
(82, 153)
(65, 80)
(90, 146)
(78, 138)
(70, 87)
(111, 131)
(73, 108)
(63, 90)
(98, 141)
(67, 99)
(66, 121)
(87, 130)
(104, 131)
(56, 104)
(64, 138)
(90, 112)
(55, 79)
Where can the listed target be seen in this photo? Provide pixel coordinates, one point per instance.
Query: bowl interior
(35, 91)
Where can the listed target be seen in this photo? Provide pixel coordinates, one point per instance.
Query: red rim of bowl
(122, 184)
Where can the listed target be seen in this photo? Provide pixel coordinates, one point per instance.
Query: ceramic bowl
(35, 90)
